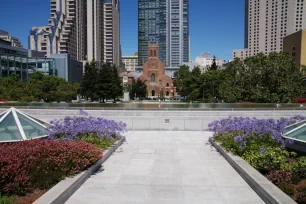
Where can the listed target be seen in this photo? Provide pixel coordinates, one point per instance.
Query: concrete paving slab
(166, 168)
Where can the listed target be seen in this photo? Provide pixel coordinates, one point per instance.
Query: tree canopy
(101, 83)
(259, 79)
(39, 87)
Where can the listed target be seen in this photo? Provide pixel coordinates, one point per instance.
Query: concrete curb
(62, 191)
(268, 192)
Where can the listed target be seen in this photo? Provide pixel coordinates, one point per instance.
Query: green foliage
(89, 85)
(260, 79)
(181, 79)
(103, 143)
(101, 82)
(7, 199)
(39, 87)
(214, 66)
(138, 88)
(272, 158)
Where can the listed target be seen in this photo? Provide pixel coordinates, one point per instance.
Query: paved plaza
(166, 168)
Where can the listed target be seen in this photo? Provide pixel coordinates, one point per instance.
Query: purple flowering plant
(258, 141)
(89, 129)
(245, 130)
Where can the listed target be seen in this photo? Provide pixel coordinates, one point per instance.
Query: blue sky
(215, 26)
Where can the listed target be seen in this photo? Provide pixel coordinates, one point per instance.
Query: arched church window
(153, 77)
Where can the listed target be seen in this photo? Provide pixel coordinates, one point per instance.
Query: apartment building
(131, 62)
(15, 42)
(267, 22)
(78, 27)
(112, 32)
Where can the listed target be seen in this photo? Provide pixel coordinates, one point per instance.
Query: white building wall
(269, 21)
(131, 62)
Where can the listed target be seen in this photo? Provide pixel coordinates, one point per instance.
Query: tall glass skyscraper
(165, 22)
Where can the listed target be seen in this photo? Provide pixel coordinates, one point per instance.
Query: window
(153, 77)
(167, 85)
(153, 93)
(154, 53)
(293, 52)
(151, 53)
(167, 93)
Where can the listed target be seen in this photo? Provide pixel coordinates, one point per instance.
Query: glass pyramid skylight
(296, 132)
(17, 126)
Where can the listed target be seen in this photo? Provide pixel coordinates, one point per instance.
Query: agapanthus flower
(263, 150)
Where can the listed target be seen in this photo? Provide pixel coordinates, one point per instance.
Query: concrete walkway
(166, 168)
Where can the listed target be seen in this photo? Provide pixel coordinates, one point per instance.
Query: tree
(138, 88)
(89, 86)
(116, 85)
(264, 79)
(104, 84)
(214, 64)
(181, 78)
(50, 86)
(35, 85)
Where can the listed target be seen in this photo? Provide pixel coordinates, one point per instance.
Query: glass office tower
(165, 22)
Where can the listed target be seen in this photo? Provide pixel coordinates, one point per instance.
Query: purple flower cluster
(75, 127)
(252, 127)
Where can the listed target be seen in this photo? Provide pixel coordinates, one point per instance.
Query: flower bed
(73, 145)
(97, 131)
(259, 142)
(39, 164)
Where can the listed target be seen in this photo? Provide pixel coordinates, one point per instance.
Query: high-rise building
(112, 32)
(165, 23)
(80, 28)
(15, 42)
(267, 22)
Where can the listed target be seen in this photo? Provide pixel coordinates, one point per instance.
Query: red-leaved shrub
(300, 100)
(40, 164)
(280, 176)
(301, 192)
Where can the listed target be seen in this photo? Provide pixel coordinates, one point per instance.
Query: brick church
(158, 83)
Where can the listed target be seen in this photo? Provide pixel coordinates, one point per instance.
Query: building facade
(241, 54)
(295, 47)
(158, 83)
(267, 22)
(25, 62)
(112, 32)
(204, 61)
(131, 62)
(81, 29)
(15, 42)
(165, 23)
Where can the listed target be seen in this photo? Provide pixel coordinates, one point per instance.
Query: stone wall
(162, 120)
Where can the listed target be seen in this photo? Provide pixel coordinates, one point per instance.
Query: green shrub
(273, 158)
(7, 200)
(103, 143)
